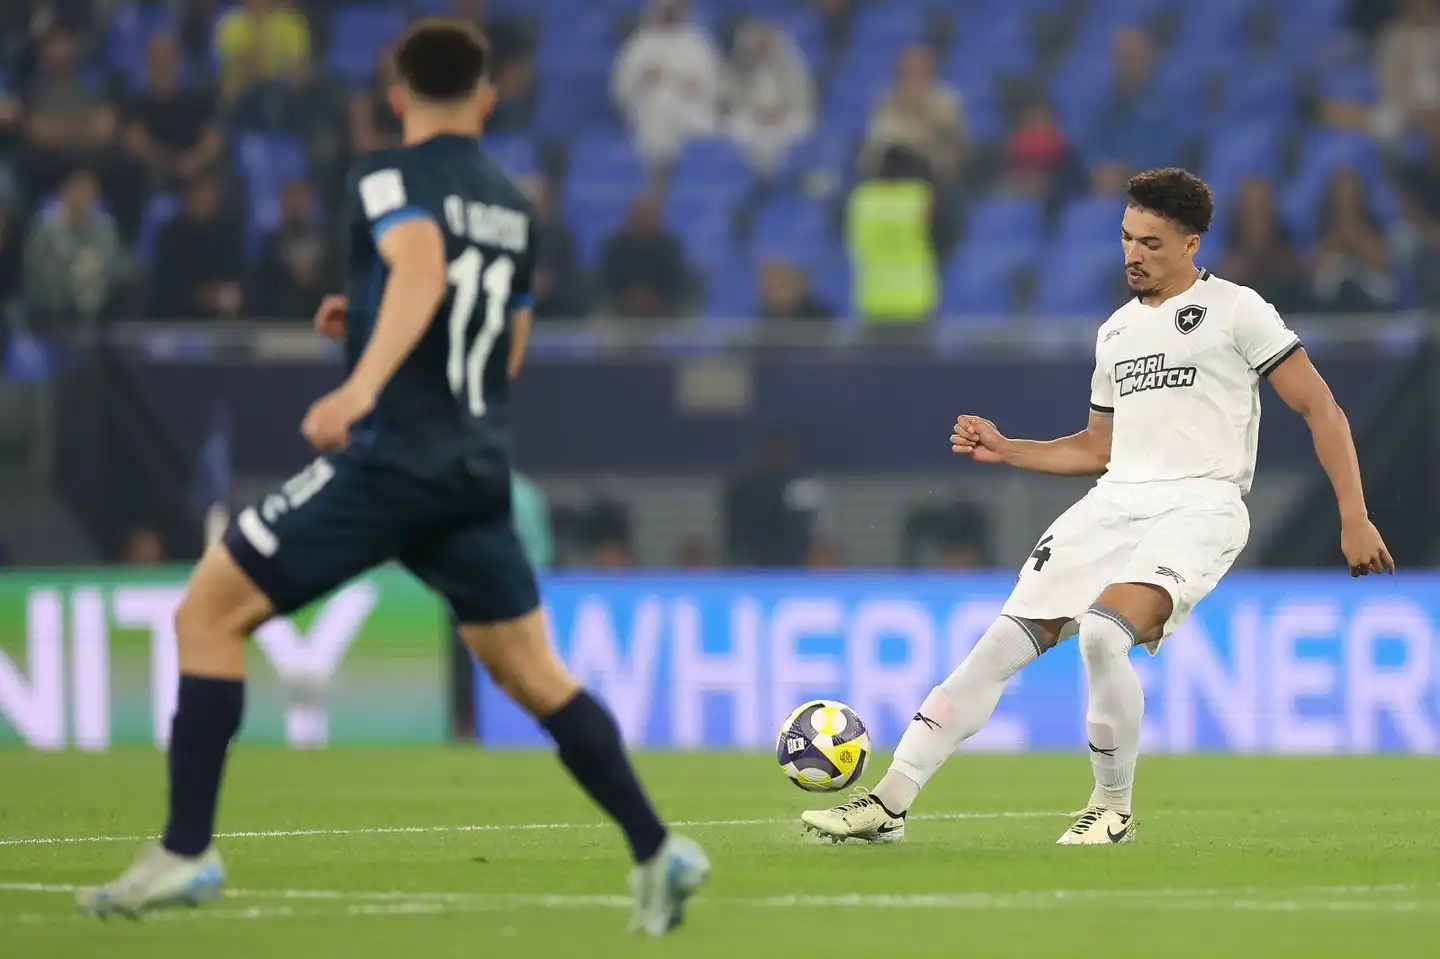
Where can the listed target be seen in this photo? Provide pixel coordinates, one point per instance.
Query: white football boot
(662, 885)
(159, 879)
(1098, 826)
(864, 818)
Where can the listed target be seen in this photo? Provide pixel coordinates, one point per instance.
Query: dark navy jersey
(448, 403)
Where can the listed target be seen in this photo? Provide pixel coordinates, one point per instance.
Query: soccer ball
(823, 746)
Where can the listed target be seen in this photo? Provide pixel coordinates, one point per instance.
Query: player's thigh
(1075, 558)
(329, 523)
(1184, 553)
(221, 607)
(482, 572)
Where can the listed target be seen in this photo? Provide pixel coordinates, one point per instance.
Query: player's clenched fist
(327, 424)
(1364, 549)
(330, 318)
(977, 438)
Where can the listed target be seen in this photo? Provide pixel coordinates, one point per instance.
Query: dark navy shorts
(344, 514)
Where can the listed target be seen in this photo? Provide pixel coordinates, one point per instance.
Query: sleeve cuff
(1102, 410)
(1269, 366)
(393, 219)
(522, 301)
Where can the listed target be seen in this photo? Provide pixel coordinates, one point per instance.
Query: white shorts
(1180, 536)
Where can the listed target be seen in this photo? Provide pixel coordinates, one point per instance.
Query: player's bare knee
(1105, 632)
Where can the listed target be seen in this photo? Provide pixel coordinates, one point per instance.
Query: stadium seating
(1239, 90)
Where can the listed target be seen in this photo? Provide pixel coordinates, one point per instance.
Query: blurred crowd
(897, 163)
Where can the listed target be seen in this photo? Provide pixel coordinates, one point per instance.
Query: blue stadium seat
(443, 8)
(1235, 153)
(357, 35)
(28, 358)
(515, 153)
(823, 152)
(1004, 47)
(574, 100)
(730, 289)
(1327, 150)
(1101, 21)
(1350, 84)
(593, 212)
(852, 99)
(605, 156)
(1006, 219)
(887, 29)
(703, 223)
(1092, 219)
(1327, 12)
(1078, 89)
(715, 165)
(979, 280)
(267, 162)
(1218, 22)
(1078, 280)
(128, 34)
(1260, 90)
(792, 224)
(831, 279)
(808, 33)
(161, 209)
(606, 175)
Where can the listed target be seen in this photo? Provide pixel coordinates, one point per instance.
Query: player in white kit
(1174, 417)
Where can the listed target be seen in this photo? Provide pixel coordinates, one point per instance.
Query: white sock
(1117, 705)
(957, 709)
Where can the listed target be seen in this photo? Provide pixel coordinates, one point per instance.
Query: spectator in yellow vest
(889, 226)
(261, 40)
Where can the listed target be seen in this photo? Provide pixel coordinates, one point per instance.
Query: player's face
(1156, 251)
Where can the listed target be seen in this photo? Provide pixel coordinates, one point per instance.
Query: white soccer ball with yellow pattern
(823, 746)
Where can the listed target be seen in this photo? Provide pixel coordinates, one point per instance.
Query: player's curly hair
(1178, 195)
(442, 58)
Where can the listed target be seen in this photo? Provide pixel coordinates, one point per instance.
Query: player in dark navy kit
(414, 467)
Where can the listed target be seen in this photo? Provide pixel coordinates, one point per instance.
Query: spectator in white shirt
(921, 115)
(667, 81)
(1407, 61)
(771, 94)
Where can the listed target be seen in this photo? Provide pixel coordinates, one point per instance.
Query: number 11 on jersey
(465, 368)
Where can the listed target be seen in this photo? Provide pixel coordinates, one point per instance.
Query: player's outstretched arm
(1303, 389)
(415, 253)
(1086, 453)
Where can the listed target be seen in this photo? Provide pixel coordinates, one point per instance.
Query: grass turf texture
(1235, 857)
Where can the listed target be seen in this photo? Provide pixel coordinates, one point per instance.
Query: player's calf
(220, 609)
(519, 657)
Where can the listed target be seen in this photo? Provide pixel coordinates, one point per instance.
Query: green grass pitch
(431, 853)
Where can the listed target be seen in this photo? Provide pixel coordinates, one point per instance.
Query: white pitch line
(791, 899)
(327, 902)
(497, 827)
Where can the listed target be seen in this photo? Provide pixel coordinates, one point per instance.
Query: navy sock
(590, 747)
(206, 719)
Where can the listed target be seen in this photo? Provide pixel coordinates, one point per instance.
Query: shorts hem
(260, 572)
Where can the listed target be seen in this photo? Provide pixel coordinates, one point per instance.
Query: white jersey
(1182, 380)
